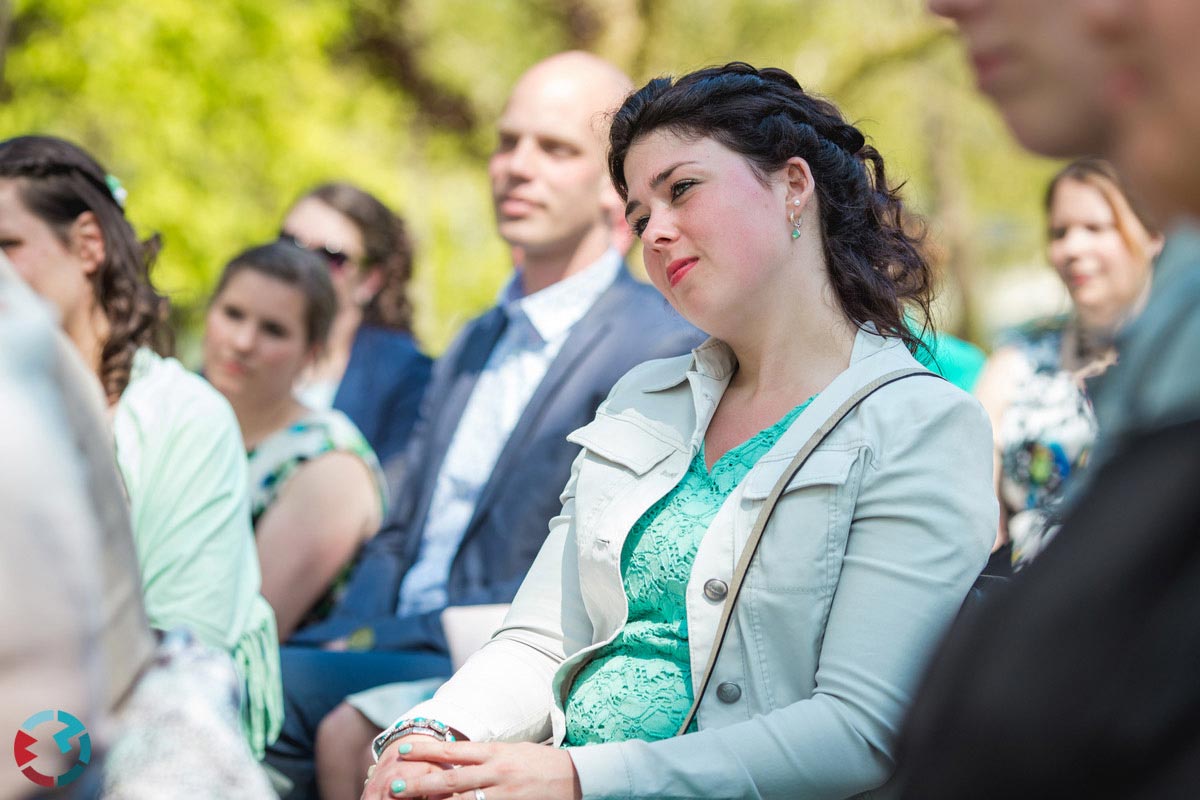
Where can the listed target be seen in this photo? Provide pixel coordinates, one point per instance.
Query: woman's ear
(86, 240)
(369, 286)
(798, 182)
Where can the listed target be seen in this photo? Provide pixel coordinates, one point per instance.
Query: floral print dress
(1045, 436)
(277, 458)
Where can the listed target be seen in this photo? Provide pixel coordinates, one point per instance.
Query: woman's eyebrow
(657, 181)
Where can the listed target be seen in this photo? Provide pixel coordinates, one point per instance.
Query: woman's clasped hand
(421, 766)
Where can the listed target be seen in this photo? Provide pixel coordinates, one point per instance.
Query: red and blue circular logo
(71, 730)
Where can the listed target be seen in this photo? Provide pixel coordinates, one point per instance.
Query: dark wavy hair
(387, 246)
(57, 181)
(289, 263)
(875, 259)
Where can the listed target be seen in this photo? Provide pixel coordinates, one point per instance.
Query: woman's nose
(660, 230)
(243, 336)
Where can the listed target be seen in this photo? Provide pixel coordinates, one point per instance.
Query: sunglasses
(336, 259)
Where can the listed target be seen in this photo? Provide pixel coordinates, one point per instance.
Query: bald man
(489, 456)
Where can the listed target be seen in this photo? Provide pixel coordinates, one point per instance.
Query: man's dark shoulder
(1080, 680)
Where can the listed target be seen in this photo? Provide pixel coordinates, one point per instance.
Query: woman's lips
(234, 368)
(510, 206)
(678, 268)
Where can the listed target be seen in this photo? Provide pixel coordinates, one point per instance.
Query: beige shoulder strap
(743, 564)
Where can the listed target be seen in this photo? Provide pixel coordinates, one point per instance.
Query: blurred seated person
(65, 526)
(371, 368)
(484, 470)
(63, 227)
(316, 490)
(1033, 385)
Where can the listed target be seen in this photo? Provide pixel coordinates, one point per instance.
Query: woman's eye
(679, 187)
(639, 226)
(275, 330)
(233, 313)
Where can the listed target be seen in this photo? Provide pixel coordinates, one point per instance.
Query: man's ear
(1155, 246)
(369, 286)
(86, 240)
(620, 234)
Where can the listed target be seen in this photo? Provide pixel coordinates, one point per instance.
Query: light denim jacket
(866, 559)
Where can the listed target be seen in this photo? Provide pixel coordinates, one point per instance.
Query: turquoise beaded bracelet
(406, 727)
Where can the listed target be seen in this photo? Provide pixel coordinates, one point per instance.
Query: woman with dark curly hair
(372, 370)
(63, 227)
(675, 638)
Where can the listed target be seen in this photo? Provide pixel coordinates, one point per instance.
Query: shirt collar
(555, 309)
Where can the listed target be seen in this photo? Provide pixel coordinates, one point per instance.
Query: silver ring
(479, 795)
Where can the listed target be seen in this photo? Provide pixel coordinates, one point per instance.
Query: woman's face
(254, 338)
(1104, 276)
(710, 229)
(53, 268)
(331, 234)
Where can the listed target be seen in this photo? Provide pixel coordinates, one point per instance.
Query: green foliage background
(216, 114)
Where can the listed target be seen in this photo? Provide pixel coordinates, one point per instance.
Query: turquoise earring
(795, 219)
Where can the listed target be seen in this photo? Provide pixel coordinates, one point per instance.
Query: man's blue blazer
(629, 323)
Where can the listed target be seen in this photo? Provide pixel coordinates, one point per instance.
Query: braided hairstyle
(874, 259)
(57, 181)
(387, 246)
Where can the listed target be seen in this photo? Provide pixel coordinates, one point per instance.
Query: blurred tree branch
(386, 43)
(5, 30)
(867, 66)
(579, 20)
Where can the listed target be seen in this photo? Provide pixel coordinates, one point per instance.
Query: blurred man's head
(1038, 62)
(1151, 67)
(1115, 78)
(549, 179)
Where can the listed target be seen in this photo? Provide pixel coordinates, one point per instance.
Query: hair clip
(116, 190)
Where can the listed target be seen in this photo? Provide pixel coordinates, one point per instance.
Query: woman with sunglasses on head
(371, 369)
(316, 489)
(63, 226)
(672, 639)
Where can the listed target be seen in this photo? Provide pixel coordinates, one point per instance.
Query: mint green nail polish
(398, 786)
(405, 749)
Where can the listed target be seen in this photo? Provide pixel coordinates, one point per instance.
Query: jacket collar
(713, 363)
(714, 360)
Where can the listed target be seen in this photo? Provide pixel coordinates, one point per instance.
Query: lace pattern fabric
(639, 686)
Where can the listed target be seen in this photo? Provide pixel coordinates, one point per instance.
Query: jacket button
(715, 590)
(729, 692)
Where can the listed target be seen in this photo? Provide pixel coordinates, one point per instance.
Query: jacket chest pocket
(621, 460)
(802, 547)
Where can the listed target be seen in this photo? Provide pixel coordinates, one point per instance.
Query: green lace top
(639, 686)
